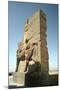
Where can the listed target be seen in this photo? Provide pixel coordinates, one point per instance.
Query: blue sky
(18, 12)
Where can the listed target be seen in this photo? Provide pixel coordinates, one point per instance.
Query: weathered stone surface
(22, 66)
(19, 78)
(36, 79)
(35, 32)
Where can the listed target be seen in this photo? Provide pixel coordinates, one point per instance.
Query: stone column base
(36, 79)
(19, 78)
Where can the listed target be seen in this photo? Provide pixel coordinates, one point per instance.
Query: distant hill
(53, 71)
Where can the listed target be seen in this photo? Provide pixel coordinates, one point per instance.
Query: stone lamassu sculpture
(20, 54)
(31, 55)
(20, 57)
(27, 53)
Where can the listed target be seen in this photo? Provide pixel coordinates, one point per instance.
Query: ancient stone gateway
(35, 29)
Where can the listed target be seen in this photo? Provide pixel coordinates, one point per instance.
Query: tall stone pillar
(35, 30)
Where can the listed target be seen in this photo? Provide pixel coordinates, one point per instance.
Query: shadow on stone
(34, 78)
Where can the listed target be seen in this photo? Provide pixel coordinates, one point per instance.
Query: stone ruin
(35, 29)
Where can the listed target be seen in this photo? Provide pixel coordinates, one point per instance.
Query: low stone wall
(19, 78)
